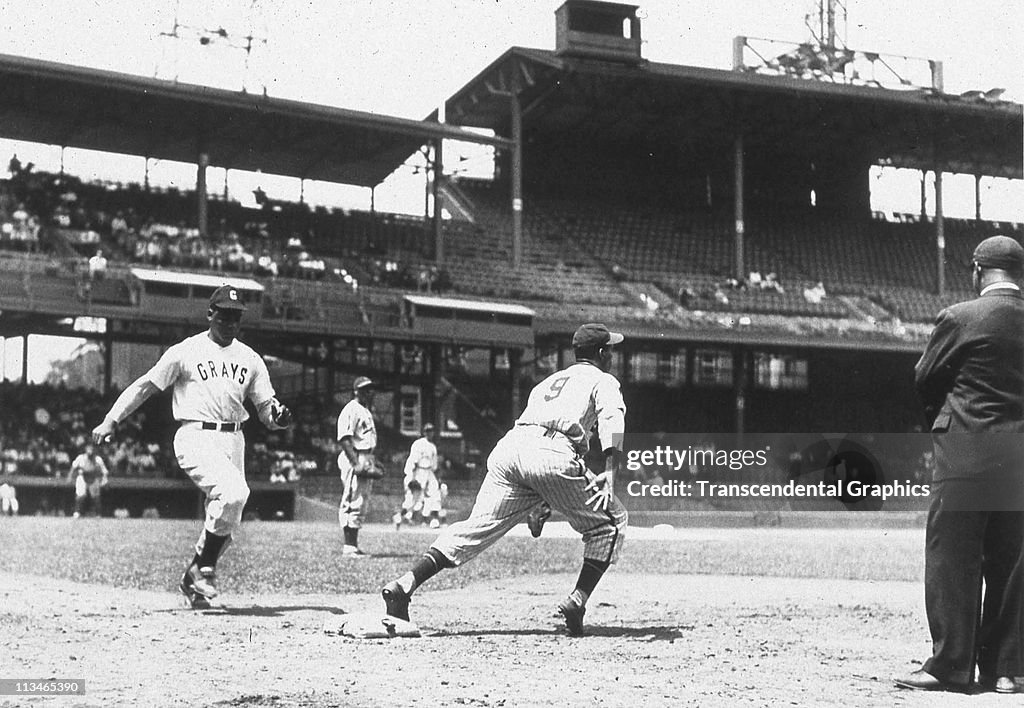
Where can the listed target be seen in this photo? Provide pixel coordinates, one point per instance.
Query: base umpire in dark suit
(971, 382)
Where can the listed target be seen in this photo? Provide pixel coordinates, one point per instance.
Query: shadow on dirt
(261, 611)
(649, 634)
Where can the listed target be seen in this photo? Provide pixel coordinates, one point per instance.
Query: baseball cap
(226, 297)
(427, 427)
(594, 335)
(361, 382)
(999, 252)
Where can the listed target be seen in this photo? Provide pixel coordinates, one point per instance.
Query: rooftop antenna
(206, 36)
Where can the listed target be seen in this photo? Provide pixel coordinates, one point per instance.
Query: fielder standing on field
(541, 459)
(89, 473)
(357, 434)
(422, 489)
(212, 373)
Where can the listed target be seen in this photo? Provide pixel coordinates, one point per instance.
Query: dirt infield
(654, 639)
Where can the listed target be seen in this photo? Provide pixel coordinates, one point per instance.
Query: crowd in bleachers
(573, 251)
(42, 428)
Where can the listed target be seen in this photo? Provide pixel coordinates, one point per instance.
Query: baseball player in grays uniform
(541, 459)
(212, 373)
(357, 434)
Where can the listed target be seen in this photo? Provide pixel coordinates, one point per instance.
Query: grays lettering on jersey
(211, 382)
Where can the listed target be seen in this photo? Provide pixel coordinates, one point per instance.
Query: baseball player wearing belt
(357, 435)
(422, 490)
(89, 473)
(212, 373)
(540, 459)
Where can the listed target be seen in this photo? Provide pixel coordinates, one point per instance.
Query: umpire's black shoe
(193, 599)
(538, 516)
(396, 601)
(573, 610)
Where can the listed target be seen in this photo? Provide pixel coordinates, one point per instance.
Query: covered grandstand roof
(649, 101)
(73, 106)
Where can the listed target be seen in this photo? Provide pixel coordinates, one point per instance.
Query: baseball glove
(372, 470)
(280, 414)
(414, 486)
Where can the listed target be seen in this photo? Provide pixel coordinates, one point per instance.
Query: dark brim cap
(227, 297)
(361, 382)
(1000, 252)
(595, 334)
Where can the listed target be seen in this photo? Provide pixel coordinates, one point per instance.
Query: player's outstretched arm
(130, 399)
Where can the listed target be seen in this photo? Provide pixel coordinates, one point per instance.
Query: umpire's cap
(226, 297)
(594, 335)
(361, 382)
(1000, 252)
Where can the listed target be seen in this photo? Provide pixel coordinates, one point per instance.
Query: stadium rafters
(72, 106)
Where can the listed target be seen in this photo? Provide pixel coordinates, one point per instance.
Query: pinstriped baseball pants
(525, 467)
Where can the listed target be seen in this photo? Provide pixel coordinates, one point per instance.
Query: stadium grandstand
(721, 219)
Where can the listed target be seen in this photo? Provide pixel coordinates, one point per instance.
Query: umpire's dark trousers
(975, 533)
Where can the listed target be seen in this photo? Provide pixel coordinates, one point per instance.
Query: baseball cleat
(203, 581)
(354, 552)
(193, 600)
(535, 521)
(396, 601)
(571, 609)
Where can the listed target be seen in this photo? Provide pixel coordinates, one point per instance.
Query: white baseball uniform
(90, 473)
(211, 384)
(541, 458)
(355, 421)
(422, 467)
(8, 499)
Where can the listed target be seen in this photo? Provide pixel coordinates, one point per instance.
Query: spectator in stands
(686, 295)
(14, 166)
(266, 265)
(771, 282)
(816, 294)
(98, 266)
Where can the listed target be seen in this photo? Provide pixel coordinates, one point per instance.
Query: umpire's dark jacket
(971, 380)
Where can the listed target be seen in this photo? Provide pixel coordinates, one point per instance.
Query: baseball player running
(541, 459)
(422, 490)
(357, 434)
(212, 373)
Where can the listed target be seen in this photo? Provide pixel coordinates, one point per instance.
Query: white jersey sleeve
(261, 389)
(167, 369)
(611, 412)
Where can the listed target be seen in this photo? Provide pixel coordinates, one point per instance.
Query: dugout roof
(622, 103)
(72, 106)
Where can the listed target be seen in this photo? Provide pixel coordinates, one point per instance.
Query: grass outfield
(306, 557)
